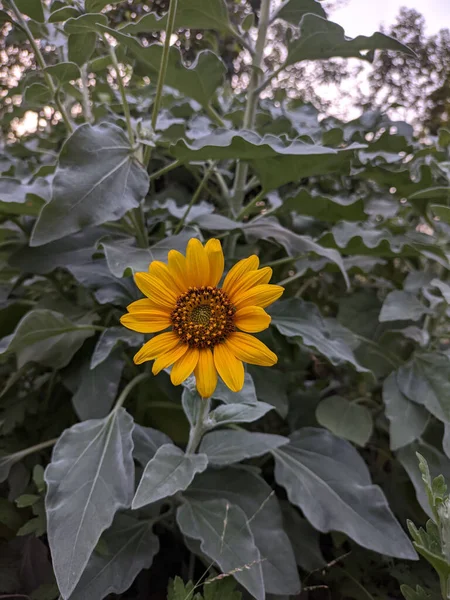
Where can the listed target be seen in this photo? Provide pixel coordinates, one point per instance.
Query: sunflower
(203, 318)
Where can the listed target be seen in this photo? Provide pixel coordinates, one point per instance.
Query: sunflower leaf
(325, 477)
(225, 537)
(90, 477)
(112, 183)
(168, 472)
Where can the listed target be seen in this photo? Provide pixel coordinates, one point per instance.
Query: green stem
(162, 72)
(42, 65)
(125, 105)
(127, 389)
(194, 198)
(249, 207)
(266, 81)
(166, 169)
(283, 261)
(31, 450)
(252, 101)
(200, 427)
(85, 92)
(215, 116)
(241, 39)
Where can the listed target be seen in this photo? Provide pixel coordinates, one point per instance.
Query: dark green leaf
(46, 337)
(191, 14)
(293, 10)
(85, 23)
(320, 39)
(246, 489)
(225, 537)
(246, 396)
(226, 447)
(329, 481)
(407, 420)
(98, 387)
(198, 81)
(324, 208)
(402, 306)
(90, 477)
(438, 464)
(238, 413)
(272, 390)
(112, 183)
(19, 198)
(302, 321)
(146, 442)
(31, 8)
(109, 339)
(81, 47)
(426, 381)
(345, 419)
(443, 212)
(62, 14)
(124, 255)
(64, 72)
(304, 539)
(277, 160)
(37, 94)
(131, 547)
(168, 472)
(294, 244)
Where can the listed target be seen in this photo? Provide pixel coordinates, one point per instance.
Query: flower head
(204, 319)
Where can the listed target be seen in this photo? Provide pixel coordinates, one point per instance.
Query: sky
(365, 16)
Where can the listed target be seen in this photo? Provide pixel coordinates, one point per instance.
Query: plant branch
(269, 78)
(241, 39)
(166, 169)
(200, 427)
(123, 95)
(85, 91)
(194, 198)
(252, 100)
(214, 116)
(162, 72)
(127, 389)
(249, 207)
(42, 65)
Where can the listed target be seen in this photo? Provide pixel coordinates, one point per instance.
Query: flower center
(203, 317)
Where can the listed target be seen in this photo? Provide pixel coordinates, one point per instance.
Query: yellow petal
(239, 270)
(184, 366)
(178, 270)
(229, 367)
(165, 360)
(260, 295)
(154, 289)
(249, 280)
(142, 305)
(252, 319)
(216, 261)
(197, 263)
(161, 271)
(205, 373)
(160, 344)
(148, 321)
(251, 350)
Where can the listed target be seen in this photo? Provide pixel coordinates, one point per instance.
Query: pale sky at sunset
(365, 16)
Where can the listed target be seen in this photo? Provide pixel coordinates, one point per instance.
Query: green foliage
(104, 467)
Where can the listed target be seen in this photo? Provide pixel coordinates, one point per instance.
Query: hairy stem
(162, 72)
(127, 389)
(42, 65)
(123, 96)
(252, 101)
(194, 198)
(200, 427)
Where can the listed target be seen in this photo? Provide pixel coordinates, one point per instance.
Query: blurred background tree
(416, 89)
